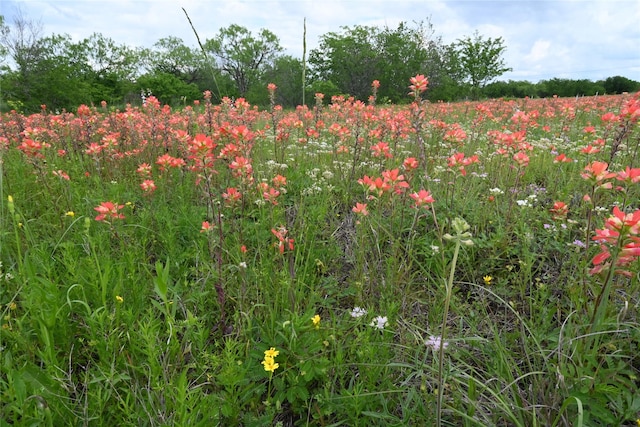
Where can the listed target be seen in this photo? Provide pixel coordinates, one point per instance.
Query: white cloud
(539, 51)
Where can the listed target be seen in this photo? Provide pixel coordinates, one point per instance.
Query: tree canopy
(243, 56)
(353, 58)
(61, 73)
(478, 60)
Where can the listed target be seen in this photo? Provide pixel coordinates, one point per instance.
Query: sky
(544, 39)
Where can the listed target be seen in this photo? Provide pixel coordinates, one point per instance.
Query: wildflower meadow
(346, 263)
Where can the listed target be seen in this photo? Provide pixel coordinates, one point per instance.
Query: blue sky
(563, 38)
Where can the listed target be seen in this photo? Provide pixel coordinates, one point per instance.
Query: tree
(285, 73)
(352, 59)
(619, 84)
(109, 69)
(478, 61)
(243, 56)
(168, 88)
(170, 55)
(42, 70)
(4, 31)
(349, 59)
(48, 77)
(407, 51)
(106, 58)
(20, 40)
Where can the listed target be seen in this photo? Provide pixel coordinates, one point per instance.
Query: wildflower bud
(87, 224)
(460, 225)
(11, 206)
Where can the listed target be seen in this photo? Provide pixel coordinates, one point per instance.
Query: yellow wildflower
(487, 280)
(272, 352)
(316, 321)
(119, 299)
(269, 364)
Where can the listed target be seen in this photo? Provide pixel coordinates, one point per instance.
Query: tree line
(60, 73)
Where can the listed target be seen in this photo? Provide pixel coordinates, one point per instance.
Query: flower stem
(443, 333)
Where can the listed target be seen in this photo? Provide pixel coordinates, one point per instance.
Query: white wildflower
(435, 342)
(379, 322)
(358, 312)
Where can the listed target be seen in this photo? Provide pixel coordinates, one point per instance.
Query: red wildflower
(410, 163)
(422, 198)
(206, 227)
(108, 210)
(33, 148)
(93, 149)
(521, 159)
(84, 111)
(458, 159)
(279, 181)
(631, 175)
(62, 174)
(229, 151)
(590, 149)
(381, 149)
(562, 158)
(166, 160)
(559, 210)
(148, 186)
(231, 196)
(283, 242)
(597, 173)
(377, 185)
(620, 230)
(144, 169)
(201, 145)
(394, 179)
(241, 167)
(418, 84)
(361, 208)
(271, 195)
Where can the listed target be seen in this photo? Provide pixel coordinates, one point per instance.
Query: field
(467, 264)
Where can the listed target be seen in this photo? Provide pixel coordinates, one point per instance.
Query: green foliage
(619, 84)
(396, 314)
(286, 74)
(56, 72)
(567, 87)
(478, 61)
(168, 88)
(243, 56)
(355, 57)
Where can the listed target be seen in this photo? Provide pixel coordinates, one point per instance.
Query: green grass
(153, 319)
